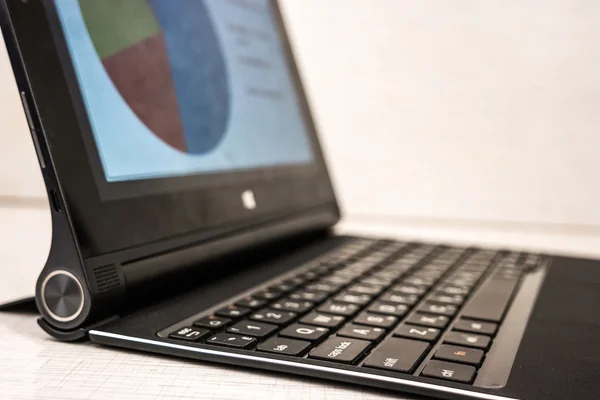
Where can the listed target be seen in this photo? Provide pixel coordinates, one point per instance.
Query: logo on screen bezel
(248, 200)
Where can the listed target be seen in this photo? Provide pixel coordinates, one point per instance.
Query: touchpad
(559, 356)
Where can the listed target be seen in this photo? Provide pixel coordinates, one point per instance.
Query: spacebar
(490, 302)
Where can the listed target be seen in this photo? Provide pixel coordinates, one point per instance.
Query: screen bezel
(109, 226)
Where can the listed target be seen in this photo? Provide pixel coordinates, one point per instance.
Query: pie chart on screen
(166, 63)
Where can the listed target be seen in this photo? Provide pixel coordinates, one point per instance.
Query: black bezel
(107, 226)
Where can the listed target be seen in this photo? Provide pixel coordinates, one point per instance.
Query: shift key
(394, 354)
(490, 302)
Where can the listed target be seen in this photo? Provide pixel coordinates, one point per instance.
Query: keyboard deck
(384, 305)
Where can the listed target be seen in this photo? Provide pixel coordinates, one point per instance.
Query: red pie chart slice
(132, 48)
(143, 77)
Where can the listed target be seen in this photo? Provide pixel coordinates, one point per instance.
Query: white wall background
(463, 109)
(19, 169)
(433, 113)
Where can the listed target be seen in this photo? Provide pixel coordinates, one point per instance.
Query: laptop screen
(197, 88)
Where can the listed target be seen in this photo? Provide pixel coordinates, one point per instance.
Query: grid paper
(35, 366)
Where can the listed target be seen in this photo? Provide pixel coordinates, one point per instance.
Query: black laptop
(192, 216)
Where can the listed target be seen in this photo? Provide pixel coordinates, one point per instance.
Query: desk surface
(34, 366)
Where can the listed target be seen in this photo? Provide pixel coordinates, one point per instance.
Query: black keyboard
(404, 307)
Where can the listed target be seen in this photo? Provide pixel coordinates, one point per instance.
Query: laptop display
(194, 89)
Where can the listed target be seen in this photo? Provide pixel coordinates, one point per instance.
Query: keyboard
(408, 308)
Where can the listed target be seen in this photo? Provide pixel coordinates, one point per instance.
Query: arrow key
(468, 339)
(229, 340)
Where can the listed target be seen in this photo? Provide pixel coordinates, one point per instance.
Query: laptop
(192, 216)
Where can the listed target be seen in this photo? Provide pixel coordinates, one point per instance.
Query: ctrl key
(449, 371)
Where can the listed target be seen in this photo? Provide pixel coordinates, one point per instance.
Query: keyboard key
(365, 289)
(507, 274)
(272, 316)
(322, 269)
(491, 300)
(428, 274)
(361, 332)
(358, 299)
(468, 283)
(408, 299)
(323, 287)
(454, 290)
(474, 267)
(394, 354)
(417, 332)
(396, 310)
(251, 302)
(458, 354)
(532, 261)
(419, 281)
(288, 347)
(307, 276)
(449, 371)
(268, 294)
(315, 297)
(190, 334)
(486, 328)
(439, 266)
(340, 349)
(380, 321)
(344, 309)
(231, 340)
(213, 322)
(232, 311)
(434, 321)
(250, 328)
(326, 321)
(400, 266)
(408, 289)
(300, 279)
(292, 305)
(473, 275)
(360, 264)
(467, 339)
(351, 273)
(305, 332)
(375, 281)
(389, 274)
(446, 299)
(447, 310)
(338, 280)
(282, 287)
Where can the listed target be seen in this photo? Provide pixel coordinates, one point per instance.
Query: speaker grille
(107, 278)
